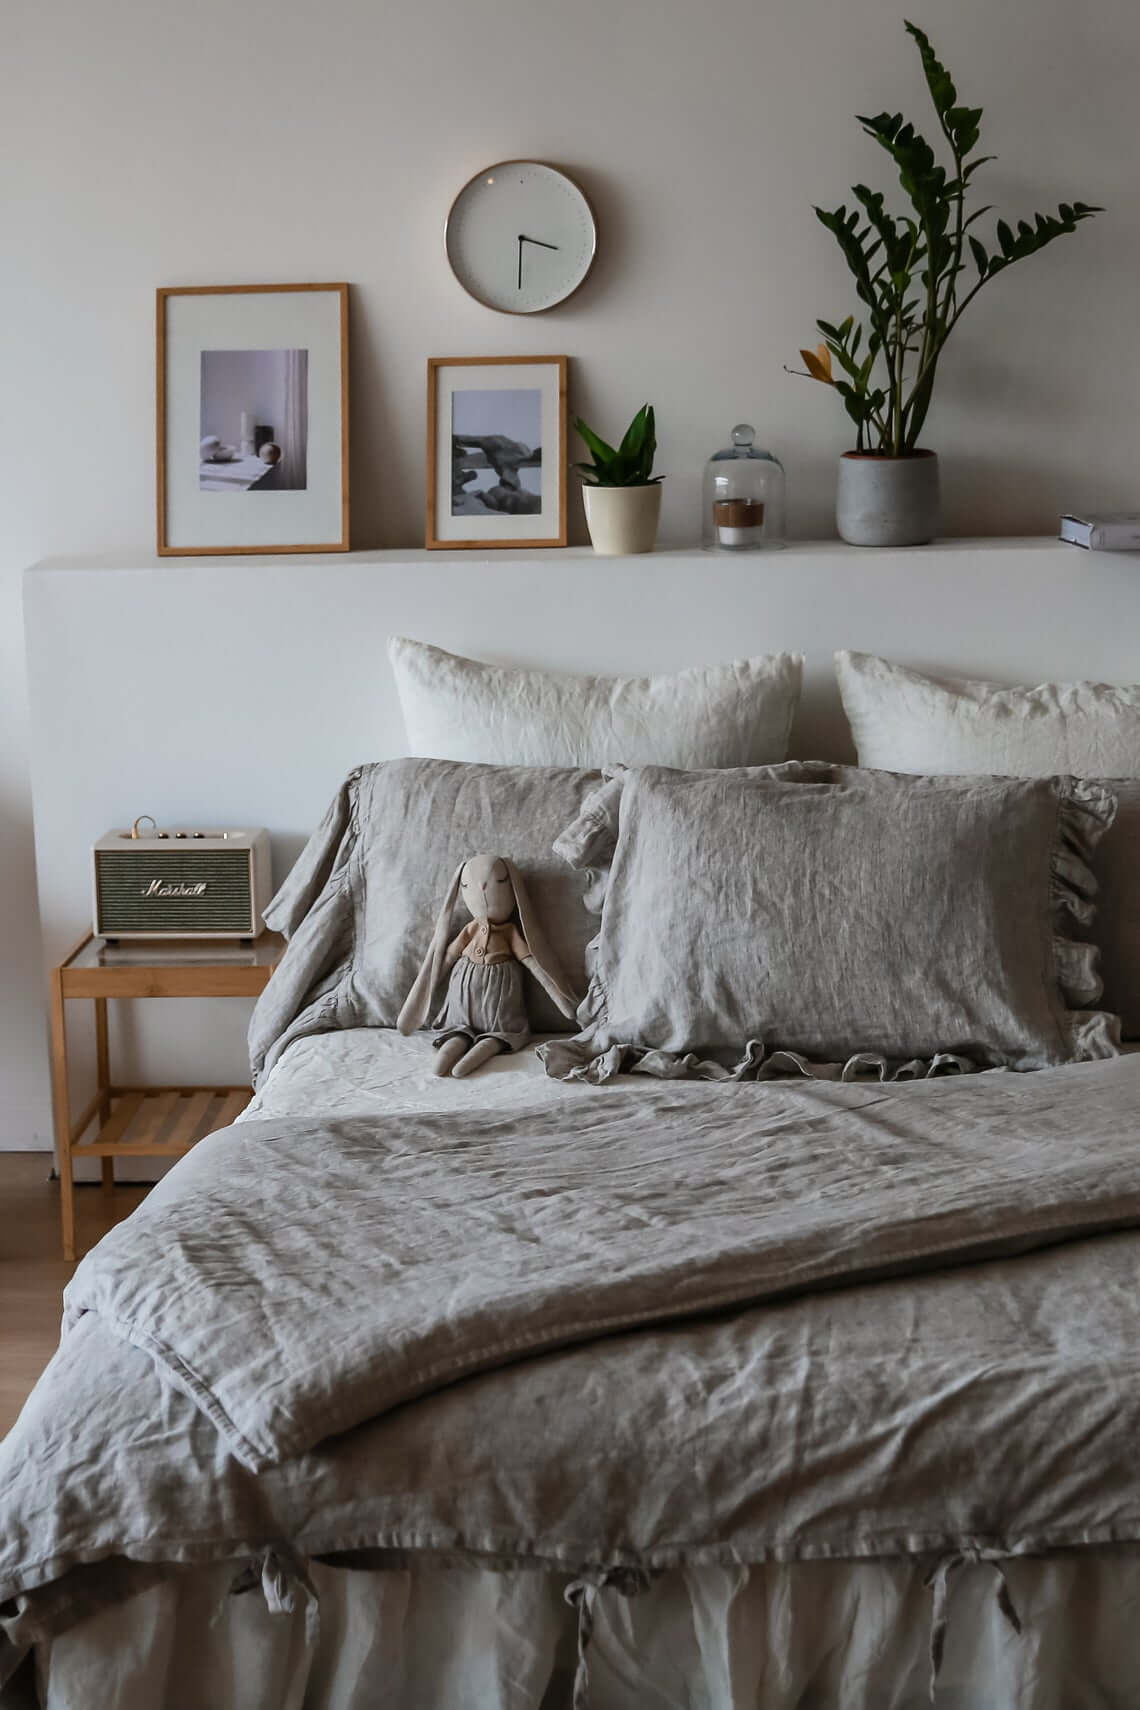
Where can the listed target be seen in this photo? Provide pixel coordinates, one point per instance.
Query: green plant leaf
(920, 175)
(631, 464)
(938, 79)
(601, 452)
(855, 403)
(981, 259)
(963, 125)
(635, 434)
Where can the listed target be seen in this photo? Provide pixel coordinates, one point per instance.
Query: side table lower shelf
(133, 1121)
(162, 1122)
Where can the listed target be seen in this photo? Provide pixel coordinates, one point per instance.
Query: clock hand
(522, 240)
(540, 241)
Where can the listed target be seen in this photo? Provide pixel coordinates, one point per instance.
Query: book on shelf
(1103, 531)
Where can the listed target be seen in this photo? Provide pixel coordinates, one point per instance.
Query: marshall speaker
(181, 883)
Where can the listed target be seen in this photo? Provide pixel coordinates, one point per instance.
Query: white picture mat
(255, 320)
(500, 377)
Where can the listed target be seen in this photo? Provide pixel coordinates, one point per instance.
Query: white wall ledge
(394, 556)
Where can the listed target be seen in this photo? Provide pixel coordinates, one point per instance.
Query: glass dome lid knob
(743, 434)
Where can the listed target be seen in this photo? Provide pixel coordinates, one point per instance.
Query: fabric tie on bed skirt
(582, 1594)
(281, 1574)
(939, 1582)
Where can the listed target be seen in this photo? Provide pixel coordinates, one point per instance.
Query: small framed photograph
(252, 418)
(496, 451)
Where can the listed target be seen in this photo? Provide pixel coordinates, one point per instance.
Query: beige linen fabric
(739, 714)
(833, 1635)
(906, 722)
(387, 1257)
(361, 902)
(872, 1419)
(830, 912)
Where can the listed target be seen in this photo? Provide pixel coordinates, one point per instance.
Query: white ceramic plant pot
(887, 501)
(622, 519)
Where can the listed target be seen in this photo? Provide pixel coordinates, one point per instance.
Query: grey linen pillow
(831, 912)
(904, 721)
(360, 905)
(1116, 865)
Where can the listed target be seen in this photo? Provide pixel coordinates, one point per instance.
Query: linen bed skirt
(804, 1636)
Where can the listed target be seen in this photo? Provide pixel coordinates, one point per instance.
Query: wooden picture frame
(294, 501)
(522, 396)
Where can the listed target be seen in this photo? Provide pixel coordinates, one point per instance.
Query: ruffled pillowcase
(906, 722)
(359, 906)
(838, 914)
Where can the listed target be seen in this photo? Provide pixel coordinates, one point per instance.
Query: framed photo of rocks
(496, 451)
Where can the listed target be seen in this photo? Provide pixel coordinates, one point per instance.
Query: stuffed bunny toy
(485, 1010)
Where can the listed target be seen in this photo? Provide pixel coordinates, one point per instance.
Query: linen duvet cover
(980, 1401)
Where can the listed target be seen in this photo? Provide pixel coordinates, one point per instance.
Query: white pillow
(722, 715)
(905, 722)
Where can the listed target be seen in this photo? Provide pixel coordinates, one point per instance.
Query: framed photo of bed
(252, 418)
(496, 451)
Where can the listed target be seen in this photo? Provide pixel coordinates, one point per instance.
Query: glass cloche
(743, 505)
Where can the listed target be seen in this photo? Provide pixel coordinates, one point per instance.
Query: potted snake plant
(915, 274)
(621, 494)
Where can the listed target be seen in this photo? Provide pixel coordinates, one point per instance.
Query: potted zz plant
(621, 494)
(908, 271)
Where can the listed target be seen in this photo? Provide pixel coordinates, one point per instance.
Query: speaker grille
(130, 889)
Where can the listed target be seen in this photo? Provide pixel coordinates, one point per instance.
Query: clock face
(520, 237)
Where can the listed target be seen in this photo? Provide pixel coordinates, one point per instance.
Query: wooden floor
(32, 1274)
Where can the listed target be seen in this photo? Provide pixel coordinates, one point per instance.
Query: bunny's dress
(485, 993)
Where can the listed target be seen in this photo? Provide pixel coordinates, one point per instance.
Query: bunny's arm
(459, 944)
(522, 951)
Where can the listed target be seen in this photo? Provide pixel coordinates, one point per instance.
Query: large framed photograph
(252, 418)
(496, 451)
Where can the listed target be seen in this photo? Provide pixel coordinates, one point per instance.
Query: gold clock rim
(496, 166)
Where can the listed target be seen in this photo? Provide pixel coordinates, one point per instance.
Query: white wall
(164, 143)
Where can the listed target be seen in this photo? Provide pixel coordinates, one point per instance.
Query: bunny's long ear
(536, 938)
(418, 1001)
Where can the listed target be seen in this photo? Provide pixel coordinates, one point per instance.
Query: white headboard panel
(239, 691)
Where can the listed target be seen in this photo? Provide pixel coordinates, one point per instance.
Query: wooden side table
(143, 1122)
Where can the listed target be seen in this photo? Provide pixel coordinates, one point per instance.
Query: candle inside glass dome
(743, 509)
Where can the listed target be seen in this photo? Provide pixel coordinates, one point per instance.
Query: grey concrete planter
(887, 501)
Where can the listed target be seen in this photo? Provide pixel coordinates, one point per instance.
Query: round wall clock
(520, 236)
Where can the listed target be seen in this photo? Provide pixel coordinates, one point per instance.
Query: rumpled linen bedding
(295, 1279)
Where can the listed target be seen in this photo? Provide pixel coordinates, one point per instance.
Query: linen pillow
(722, 715)
(360, 905)
(905, 722)
(830, 912)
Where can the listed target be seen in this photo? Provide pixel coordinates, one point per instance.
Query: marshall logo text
(161, 888)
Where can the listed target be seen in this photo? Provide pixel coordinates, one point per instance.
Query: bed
(659, 1388)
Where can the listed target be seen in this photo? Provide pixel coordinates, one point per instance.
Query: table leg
(103, 1078)
(61, 1110)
